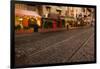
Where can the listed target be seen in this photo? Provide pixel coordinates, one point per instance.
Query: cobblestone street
(75, 45)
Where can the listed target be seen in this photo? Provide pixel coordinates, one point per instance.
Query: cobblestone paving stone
(86, 53)
(48, 48)
(59, 53)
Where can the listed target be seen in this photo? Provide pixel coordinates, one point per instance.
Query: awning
(20, 12)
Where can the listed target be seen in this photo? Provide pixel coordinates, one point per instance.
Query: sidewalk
(79, 27)
(52, 30)
(21, 32)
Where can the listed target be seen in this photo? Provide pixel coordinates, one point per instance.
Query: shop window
(18, 23)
